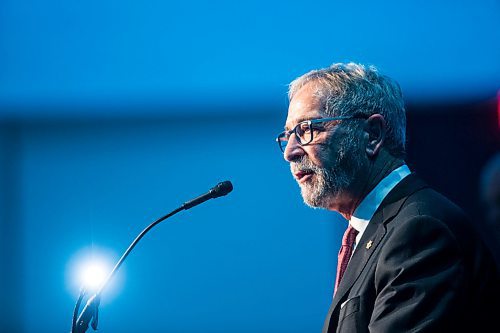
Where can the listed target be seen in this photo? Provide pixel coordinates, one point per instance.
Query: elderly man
(409, 261)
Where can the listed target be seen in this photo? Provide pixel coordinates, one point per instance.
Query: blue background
(113, 113)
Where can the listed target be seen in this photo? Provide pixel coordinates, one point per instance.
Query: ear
(375, 128)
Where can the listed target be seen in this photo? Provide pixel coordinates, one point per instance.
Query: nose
(293, 149)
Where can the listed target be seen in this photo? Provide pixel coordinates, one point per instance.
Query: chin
(320, 197)
(315, 200)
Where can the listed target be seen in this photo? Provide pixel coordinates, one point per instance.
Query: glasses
(304, 130)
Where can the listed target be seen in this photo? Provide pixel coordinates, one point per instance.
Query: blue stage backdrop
(256, 260)
(113, 113)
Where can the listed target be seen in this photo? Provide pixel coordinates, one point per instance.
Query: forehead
(305, 104)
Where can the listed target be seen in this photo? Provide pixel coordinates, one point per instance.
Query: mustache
(305, 165)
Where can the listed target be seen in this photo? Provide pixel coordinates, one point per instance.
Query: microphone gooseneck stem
(90, 311)
(133, 244)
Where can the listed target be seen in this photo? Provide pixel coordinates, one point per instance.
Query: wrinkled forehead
(307, 103)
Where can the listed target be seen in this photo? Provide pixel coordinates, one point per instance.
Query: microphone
(89, 314)
(218, 190)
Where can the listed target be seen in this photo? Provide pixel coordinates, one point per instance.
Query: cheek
(324, 157)
(348, 155)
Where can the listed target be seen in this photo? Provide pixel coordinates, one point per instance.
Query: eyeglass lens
(302, 132)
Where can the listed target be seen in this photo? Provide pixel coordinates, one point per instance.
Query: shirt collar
(364, 212)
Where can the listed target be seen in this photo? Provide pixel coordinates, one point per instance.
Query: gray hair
(351, 89)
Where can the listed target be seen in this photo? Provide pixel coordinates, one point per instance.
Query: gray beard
(327, 183)
(324, 186)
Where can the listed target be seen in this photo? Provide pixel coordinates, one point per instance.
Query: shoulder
(426, 210)
(429, 225)
(427, 201)
(430, 244)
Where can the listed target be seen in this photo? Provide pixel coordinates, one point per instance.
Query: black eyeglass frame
(287, 134)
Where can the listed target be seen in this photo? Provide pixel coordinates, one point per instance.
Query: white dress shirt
(364, 212)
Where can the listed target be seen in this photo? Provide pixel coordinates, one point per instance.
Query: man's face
(325, 168)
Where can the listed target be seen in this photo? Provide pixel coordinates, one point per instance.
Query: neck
(347, 202)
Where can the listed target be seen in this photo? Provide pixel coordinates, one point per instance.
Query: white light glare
(93, 274)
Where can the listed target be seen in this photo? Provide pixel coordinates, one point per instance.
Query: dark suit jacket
(418, 268)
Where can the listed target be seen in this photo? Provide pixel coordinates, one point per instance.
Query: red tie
(345, 253)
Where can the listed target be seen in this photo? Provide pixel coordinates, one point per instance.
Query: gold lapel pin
(369, 245)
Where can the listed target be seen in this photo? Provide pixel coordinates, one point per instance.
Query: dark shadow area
(448, 146)
(11, 238)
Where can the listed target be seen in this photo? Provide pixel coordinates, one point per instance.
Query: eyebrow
(303, 119)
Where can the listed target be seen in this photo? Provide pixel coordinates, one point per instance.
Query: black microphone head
(221, 189)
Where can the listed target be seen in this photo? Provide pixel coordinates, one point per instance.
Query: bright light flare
(89, 268)
(93, 274)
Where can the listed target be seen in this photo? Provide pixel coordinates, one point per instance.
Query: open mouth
(303, 175)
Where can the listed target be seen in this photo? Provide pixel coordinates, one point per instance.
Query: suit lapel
(374, 233)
